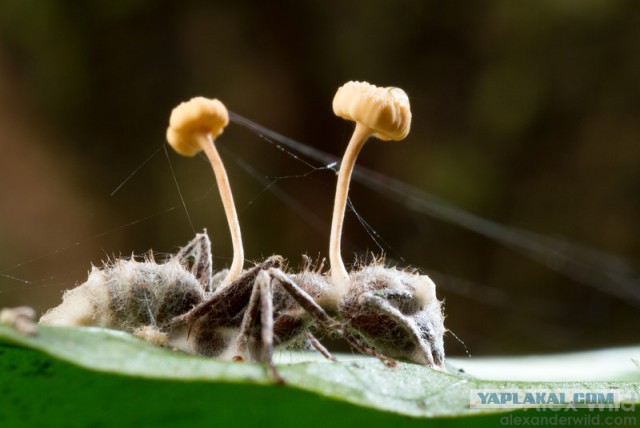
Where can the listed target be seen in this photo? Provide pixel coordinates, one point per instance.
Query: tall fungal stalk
(193, 127)
(383, 113)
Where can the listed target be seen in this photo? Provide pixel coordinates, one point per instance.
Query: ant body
(243, 314)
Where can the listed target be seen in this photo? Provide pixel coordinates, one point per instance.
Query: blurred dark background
(524, 113)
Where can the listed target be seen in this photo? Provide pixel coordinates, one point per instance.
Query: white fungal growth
(21, 318)
(152, 335)
(83, 305)
(397, 312)
(127, 295)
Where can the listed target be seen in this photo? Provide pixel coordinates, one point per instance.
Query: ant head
(397, 313)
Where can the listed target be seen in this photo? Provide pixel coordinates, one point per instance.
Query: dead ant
(241, 315)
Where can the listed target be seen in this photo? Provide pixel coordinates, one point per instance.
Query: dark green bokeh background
(526, 113)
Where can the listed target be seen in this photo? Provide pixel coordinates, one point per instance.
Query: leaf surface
(97, 377)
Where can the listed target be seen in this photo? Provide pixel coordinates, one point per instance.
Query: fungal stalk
(193, 127)
(383, 113)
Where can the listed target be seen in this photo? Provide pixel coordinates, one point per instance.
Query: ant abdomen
(127, 295)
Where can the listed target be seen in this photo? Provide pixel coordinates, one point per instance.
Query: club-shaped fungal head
(386, 111)
(194, 119)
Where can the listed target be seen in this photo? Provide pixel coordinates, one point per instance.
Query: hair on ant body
(241, 315)
(128, 294)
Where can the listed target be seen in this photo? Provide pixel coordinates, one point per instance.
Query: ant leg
(248, 322)
(225, 309)
(206, 325)
(318, 346)
(324, 320)
(232, 299)
(363, 348)
(263, 282)
(306, 301)
(261, 301)
(198, 249)
(376, 302)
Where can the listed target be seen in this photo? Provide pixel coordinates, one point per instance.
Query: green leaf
(97, 377)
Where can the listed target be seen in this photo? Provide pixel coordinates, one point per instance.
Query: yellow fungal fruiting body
(193, 127)
(386, 111)
(193, 120)
(383, 113)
